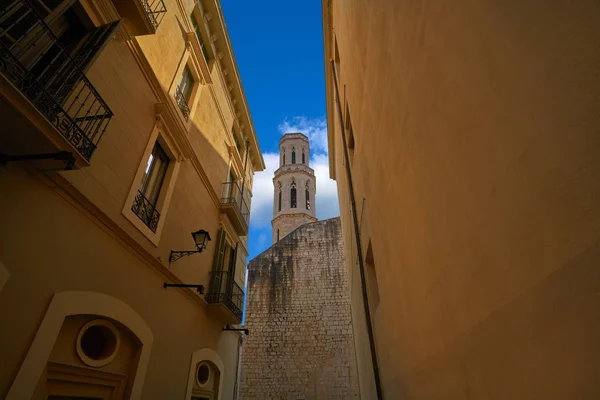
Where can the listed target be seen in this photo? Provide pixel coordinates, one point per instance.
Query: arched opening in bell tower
(293, 195)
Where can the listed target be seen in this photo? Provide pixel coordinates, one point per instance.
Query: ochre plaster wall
(62, 261)
(476, 176)
(65, 231)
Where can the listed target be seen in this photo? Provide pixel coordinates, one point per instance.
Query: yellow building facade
(127, 154)
(464, 139)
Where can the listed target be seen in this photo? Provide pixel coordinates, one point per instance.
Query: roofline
(285, 136)
(238, 87)
(289, 234)
(329, 96)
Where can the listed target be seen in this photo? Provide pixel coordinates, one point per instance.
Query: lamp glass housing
(201, 239)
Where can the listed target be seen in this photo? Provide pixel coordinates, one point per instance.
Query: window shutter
(231, 272)
(217, 269)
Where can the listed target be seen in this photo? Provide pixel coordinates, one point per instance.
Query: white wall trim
(205, 354)
(63, 305)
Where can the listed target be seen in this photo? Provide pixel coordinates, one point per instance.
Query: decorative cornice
(293, 216)
(223, 43)
(328, 33)
(293, 135)
(294, 168)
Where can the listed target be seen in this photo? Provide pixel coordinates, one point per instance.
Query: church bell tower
(295, 186)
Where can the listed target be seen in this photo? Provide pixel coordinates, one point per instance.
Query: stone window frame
(204, 355)
(161, 135)
(189, 59)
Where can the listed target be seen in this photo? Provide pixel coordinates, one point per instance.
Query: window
(199, 36)
(283, 156)
(183, 91)
(349, 135)
(293, 195)
(303, 158)
(97, 343)
(293, 156)
(222, 287)
(371, 278)
(278, 234)
(144, 204)
(154, 175)
(237, 141)
(307, 199)
(279, 202)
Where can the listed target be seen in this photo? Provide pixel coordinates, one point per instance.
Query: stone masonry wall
(298, 312)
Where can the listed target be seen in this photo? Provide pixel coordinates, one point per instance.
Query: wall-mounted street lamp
(201, 238)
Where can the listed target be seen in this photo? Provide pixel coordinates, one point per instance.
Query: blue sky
(278, 46)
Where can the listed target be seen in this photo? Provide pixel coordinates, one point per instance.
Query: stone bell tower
(295, 186)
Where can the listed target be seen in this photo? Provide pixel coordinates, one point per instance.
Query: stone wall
(298, 312)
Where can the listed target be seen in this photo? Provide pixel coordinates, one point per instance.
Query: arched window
(293, 196)
(307, 199)
(293, 156)
(279, 202)
(303, 158)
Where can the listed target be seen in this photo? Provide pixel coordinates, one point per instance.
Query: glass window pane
(154, 175)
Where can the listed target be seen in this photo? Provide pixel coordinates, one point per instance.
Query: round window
(97, 343)
(203, 374)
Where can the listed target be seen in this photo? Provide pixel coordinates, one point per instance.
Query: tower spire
(294, 186)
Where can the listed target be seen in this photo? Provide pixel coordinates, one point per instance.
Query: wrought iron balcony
(182, 102)
(155, 10)
(36, 64)
(235, 205)
(146, 211)
(223, 290)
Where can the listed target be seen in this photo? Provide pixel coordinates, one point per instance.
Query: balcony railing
(146, 211)
(224, 290)
(182, 102)
(156, 10)
(232, 194)
(36, 63)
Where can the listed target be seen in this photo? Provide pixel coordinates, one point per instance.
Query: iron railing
(232, 194)
(155, 10)
(38, 65)
(223, 289)
(182, 102)
(146, 211)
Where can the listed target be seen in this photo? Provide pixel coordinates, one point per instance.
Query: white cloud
(261, 211)
(326, 198)
(314, 128)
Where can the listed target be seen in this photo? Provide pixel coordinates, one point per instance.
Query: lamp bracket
(176, 255)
